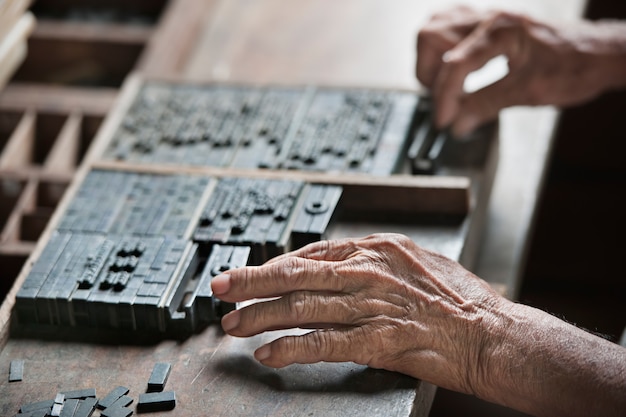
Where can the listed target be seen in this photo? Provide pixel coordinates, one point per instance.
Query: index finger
(323, 250)
(443, 32)
(278, 278)
(493, 37)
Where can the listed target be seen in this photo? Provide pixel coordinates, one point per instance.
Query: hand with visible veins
(380, 301)
(385, 302)
(549, 63)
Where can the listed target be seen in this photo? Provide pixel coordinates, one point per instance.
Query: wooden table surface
(354, 43)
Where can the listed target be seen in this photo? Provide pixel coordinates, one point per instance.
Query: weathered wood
(212, 374)
(13, 46)
(19, 148)
(77, 62)
(354, 42)
(171, 46)
(10, 12)
(120, 33)
(64, 153)
(57, 99)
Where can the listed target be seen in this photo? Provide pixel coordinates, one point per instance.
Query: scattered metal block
(16, 370)
(158, 377)
(156, 401)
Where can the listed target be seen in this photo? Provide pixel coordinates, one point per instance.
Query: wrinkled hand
(548, 64)
(381, 301)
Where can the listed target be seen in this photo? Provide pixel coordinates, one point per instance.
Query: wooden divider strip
(64, 153)
(19, 149)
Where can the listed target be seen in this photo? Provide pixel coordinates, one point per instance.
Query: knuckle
(301, 305)
(282, 272)
(318, 344)
(243, 280)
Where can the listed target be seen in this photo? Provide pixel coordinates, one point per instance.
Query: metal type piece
(320, 129)
(69, 407)
(116, 412)
(86, 407)
(158, 377)
(156, 401)
(39, 405)
(123, 401)
(111, 397)
(313, 219)
(251, 212)
(16, 370)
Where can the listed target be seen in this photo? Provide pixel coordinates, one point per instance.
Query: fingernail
(449, 56)
(263, 353)
(220, 284)
(231, 320)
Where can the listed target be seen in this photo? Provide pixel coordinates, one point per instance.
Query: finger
(301, 309)
(490, 39)
(443, 32)
(342, 345)
(432, 42)
(485, 104)
(276, 279)
(324, 250)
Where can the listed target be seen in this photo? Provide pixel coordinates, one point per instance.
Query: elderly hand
(548, 64)
(385, 302)
(380, 301)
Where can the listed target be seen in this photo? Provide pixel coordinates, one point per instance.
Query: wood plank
(64, 153)
(352, 42)
(171, 46)
(12, 47)
(16, 248)
(19, 149)
(11, 60)
(57, 99)
(212, 374)
(10, 13)
(102, 32)
(399, 194)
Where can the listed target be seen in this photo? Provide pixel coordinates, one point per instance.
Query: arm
(557, 64)
(385, 302)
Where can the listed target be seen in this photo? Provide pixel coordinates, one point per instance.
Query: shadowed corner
(320, 377)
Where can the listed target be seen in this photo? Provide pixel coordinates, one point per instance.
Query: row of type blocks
(306, 128)
(159, 280)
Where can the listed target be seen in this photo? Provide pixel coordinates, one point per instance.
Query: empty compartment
(8, 122)
(50, 193)
(10, 192)
(47, 129)
(34, 219)
(32, 140)
(142, 11)
(89, 129)
(78, 62)
(33, 224)
(10, 267)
